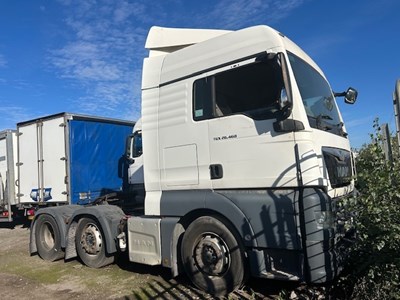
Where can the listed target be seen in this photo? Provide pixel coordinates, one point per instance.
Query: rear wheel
(90, 244)
(48, 238)
(213, 257)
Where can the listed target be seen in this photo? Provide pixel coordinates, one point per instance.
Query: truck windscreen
(318, 99)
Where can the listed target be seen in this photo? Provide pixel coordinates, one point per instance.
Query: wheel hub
(48, 235)
(211, 255)
(91, 239)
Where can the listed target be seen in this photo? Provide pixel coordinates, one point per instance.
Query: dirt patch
(29, 277)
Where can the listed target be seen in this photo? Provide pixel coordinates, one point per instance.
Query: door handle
(216, 171)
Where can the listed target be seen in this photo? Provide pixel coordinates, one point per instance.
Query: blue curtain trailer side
(97, 164)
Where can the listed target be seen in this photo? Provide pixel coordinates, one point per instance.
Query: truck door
(245, 151)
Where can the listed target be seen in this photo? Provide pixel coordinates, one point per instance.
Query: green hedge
(373, 271)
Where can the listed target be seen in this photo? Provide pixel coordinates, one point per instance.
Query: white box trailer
(8, 174)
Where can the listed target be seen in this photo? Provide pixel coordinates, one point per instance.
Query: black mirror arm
(342, 94)
(350, 96)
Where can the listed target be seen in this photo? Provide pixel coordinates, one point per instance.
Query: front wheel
(213, 257)
(90, 244)
(48, 238)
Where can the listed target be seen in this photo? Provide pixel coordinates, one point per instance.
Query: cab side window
(253, 90)
(203, 100)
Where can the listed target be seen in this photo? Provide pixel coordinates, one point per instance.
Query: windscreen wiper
(319, 120)
(340, 127)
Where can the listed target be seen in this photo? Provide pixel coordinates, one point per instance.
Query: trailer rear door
(7, 174)
(42, 161)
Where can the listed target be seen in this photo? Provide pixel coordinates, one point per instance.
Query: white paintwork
(150, 142)
(218, 51)
(27, 163)
(45, 164)
(152, 203)
(151, 78)
(180, 165)
(177, 148)
(161, 40)
(3, 162)
(8, 168)
(135, 170)
(54, 167)
(184, 150)
(254, 158)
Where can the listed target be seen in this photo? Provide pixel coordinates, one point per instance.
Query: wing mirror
(350, 96)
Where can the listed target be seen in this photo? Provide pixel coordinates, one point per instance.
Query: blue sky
(85, 56)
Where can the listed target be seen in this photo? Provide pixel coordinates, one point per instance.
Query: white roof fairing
(161, 40)
(180, 52)
(218, 51)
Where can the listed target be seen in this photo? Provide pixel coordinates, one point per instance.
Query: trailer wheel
(213, 257)
(48, 238)
(90, 244)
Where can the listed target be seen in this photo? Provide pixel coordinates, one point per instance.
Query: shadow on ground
(165, 287)
(24, 222)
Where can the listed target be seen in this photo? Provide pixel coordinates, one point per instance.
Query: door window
(253, 90)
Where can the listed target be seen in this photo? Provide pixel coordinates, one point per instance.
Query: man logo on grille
(342, 171)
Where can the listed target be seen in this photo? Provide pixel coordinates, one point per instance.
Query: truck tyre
(213, 258)
(90, 244)
(48, 238)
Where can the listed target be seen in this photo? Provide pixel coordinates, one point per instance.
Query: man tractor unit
(240, 159)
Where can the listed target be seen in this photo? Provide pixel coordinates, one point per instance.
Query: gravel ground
(29, 277)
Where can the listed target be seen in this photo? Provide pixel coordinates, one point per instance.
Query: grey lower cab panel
(144, 240)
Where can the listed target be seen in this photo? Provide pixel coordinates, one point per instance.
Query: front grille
(338, 164)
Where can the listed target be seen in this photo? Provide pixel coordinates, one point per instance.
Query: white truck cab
(243, 126)
(241, 156)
